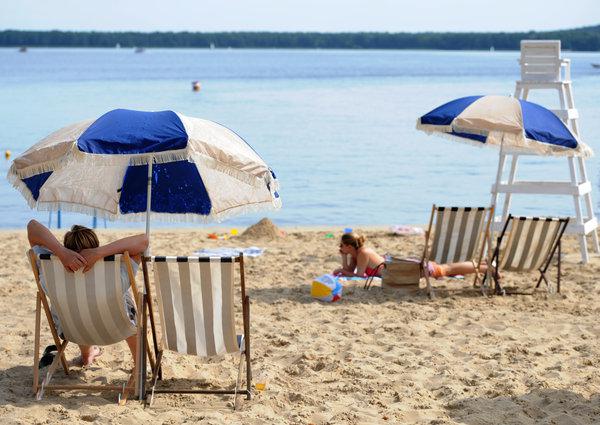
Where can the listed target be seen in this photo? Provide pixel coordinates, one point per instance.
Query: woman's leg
(89, 354)
(132, 343)
(462, 268)
(453, 269)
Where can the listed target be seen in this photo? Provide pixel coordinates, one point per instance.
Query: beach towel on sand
(406, 230)
(252, 251)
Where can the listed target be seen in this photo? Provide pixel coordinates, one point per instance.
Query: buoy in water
(196, 85)
(7, 154)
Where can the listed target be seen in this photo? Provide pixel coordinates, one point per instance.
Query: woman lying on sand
(80, 250)
(365, 262)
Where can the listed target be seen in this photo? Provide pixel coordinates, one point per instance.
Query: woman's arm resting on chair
(38, 234)
(135, 245)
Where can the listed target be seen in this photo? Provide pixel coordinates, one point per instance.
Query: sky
(298, 15)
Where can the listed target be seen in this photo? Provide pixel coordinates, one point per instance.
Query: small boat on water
(596, 65)
(23, 49)
(139, 50)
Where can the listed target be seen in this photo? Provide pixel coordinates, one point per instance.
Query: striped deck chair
(455, 235)
(195, 297)
(91, 311)
(530, 245)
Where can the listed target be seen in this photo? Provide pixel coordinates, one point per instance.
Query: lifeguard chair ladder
(543, 68)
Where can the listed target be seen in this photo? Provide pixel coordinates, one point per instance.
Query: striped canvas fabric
(458, 233)
(196, 304)
(529, 242)
(90, 306)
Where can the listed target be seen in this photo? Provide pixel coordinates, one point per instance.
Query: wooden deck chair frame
(157, 373)
(484, 235)
(556, 248)
(42, 302)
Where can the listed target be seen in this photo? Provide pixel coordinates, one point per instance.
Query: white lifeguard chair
(542, 67)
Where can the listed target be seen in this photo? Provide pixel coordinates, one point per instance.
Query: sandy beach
(382, 356)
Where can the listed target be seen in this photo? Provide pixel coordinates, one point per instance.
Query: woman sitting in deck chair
(81, 249)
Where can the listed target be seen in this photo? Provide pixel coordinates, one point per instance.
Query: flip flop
(48, 356)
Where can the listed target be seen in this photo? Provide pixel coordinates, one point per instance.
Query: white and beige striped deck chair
(456, 234)
(91, 310)
(195, 298)
(530, 245)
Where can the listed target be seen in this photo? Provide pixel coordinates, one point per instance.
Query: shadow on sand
(355, 294)
(21, 395)
(540, 406)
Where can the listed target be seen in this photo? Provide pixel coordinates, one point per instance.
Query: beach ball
(326, 288)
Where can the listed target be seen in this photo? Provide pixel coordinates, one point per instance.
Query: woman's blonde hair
(80, 238)
(353, 240)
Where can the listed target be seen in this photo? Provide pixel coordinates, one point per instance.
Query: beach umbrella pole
(148, 204)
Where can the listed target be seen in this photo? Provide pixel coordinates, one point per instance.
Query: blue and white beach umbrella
(200, 170)
(513, 124)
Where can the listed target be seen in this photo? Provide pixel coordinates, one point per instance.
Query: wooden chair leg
(494, 264)
(558, 267)
(155, 378)
(238, 381)
(128, 388)
(545, 279)
(247, 349)
(477, 273)
(149, 354)
(36, 348)
(430, 291)
(150, 309)
(51, 369)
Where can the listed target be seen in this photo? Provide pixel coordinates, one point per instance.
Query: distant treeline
(587, 38)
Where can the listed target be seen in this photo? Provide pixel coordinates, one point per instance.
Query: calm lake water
(338, 127)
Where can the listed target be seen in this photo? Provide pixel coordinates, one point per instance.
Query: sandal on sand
(48, 356)
(78, 361)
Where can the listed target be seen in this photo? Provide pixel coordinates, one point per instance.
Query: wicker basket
(402, 272)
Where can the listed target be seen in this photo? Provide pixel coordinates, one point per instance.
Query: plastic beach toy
(326, 288)
(329, 235)
(348, 230)
(260, 381)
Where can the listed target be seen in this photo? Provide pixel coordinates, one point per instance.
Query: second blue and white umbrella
(513, 124)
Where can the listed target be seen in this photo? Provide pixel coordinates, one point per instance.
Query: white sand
(373, 357)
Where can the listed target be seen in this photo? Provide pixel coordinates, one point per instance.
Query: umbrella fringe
(131, 159)
(164, 217)
(92, 159)
(245, 177)
(173, 156)
(18, 184)
(528, 147)
(34, 170)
